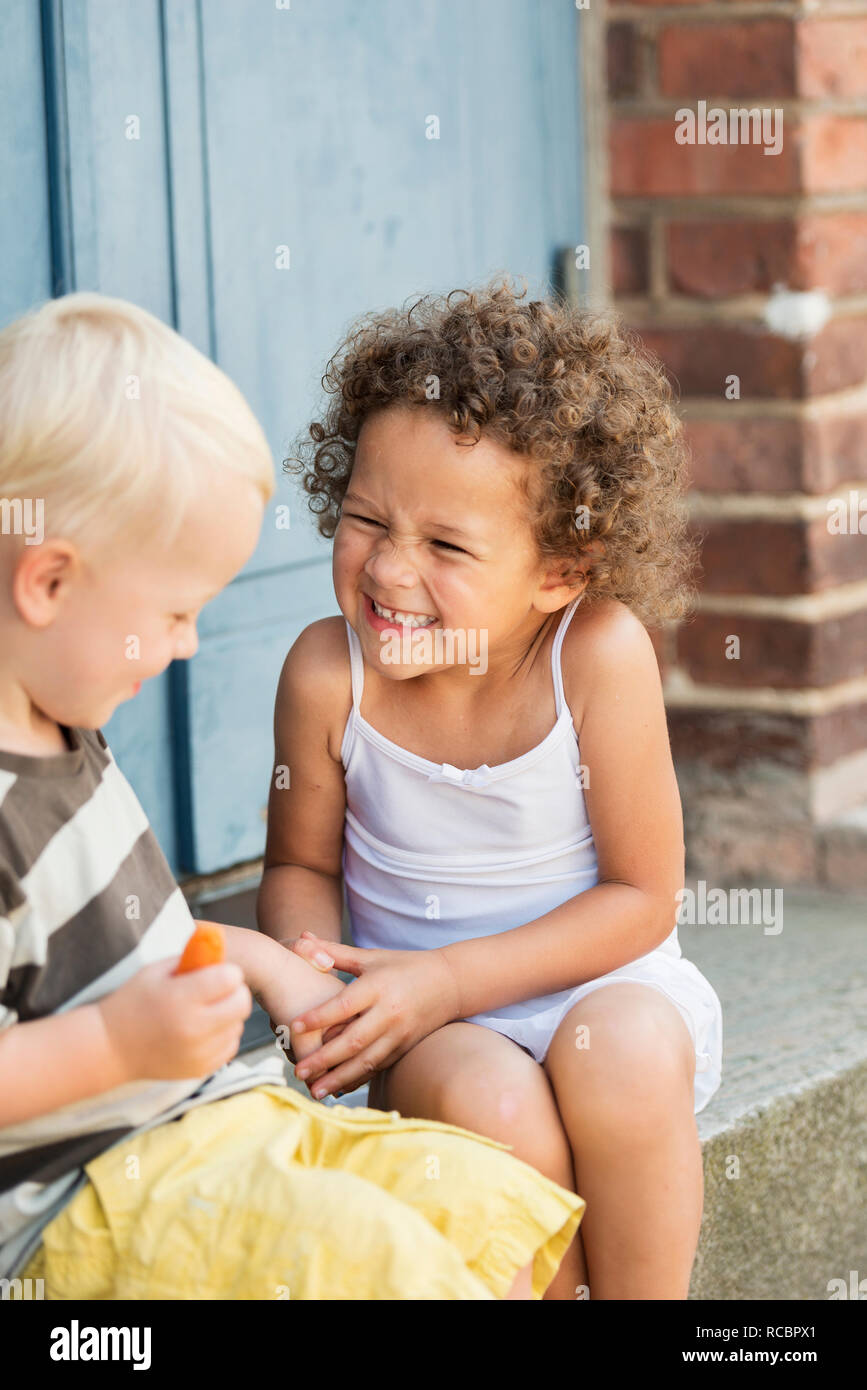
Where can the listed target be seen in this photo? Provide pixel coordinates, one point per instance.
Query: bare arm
(51, 1062)
(635, 813)
(48, 1063)
(301, 887)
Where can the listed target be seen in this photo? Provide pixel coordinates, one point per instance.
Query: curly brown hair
(572, 390)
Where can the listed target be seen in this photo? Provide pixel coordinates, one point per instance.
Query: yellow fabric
(267, 1194)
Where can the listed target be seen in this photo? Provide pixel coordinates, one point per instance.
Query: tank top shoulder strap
(556, 670)
(356, 661)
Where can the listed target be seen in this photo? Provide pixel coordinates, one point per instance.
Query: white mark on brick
(796, 313)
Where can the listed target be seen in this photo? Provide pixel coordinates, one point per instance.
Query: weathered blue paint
(261, 128)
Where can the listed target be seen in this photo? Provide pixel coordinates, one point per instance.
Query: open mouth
(398, 617)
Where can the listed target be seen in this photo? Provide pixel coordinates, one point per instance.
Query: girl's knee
(514, 1110)
(636, 1062)
(479, 1081)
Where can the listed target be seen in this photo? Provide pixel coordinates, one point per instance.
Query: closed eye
(356, 516)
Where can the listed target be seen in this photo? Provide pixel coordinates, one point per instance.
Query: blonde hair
(106, 413)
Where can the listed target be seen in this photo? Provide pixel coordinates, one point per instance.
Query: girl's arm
(635, 813)
(301, 888)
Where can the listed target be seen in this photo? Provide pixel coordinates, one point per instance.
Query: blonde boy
(133, 480)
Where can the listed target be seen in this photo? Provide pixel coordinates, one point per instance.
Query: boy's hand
(289, 990)
(398, 998)
(170, 1026)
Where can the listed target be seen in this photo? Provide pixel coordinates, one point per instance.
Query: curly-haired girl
(503, 481)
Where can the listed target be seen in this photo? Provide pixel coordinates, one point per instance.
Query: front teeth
(405, 619)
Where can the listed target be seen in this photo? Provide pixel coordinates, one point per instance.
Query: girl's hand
(397, 998)
(292, 986)
(312, 949)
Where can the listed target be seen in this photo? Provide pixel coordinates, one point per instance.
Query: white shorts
(677, 978)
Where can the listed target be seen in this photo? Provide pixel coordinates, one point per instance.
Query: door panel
(262, 128)
(331, 159)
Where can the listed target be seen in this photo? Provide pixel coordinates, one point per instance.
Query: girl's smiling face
(434, 529)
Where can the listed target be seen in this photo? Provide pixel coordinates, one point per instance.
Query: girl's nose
(391, 565)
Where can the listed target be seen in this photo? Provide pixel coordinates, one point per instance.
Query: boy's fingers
(211, 982)
(238, 1004)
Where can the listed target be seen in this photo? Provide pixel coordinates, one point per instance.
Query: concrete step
(784, 1140)
(790, 1118)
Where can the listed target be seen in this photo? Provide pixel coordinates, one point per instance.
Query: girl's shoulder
(604, 645)
(322, 641)
(317, 676)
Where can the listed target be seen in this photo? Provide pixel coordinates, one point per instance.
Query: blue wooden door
(289, 168)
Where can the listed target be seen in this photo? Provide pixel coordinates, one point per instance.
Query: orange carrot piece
(206, 946)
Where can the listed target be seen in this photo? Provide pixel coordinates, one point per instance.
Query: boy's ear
(41, 578)
(567, 579)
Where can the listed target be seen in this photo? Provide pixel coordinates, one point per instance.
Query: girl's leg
(626, 1098)
(467, 1075)
(522, 1289)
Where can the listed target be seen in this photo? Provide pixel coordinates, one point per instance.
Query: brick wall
(736, 264)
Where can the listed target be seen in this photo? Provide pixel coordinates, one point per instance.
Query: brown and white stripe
(86, 899)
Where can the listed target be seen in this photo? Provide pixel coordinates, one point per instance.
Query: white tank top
(435, 854)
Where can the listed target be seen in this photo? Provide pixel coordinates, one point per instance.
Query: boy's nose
(188, 645)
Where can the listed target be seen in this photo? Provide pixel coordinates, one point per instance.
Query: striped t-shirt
(86, 900)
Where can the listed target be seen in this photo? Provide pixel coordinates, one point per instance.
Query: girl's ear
(567, 578)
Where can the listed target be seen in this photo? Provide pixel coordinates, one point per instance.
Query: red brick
(831, 57)
(773, 652)
(746, 455)
(838, 733)
(754, 557)
(836, 451)
(661, 4)
(833, 153)
(776, 455)
(629, 260)
(623, 59)
(699, 359)
(836, 559)
(726, 739)
(713, 259)
(831, 252)
(836, 357)
(647, 161)
(776, 557)
(747, 58)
